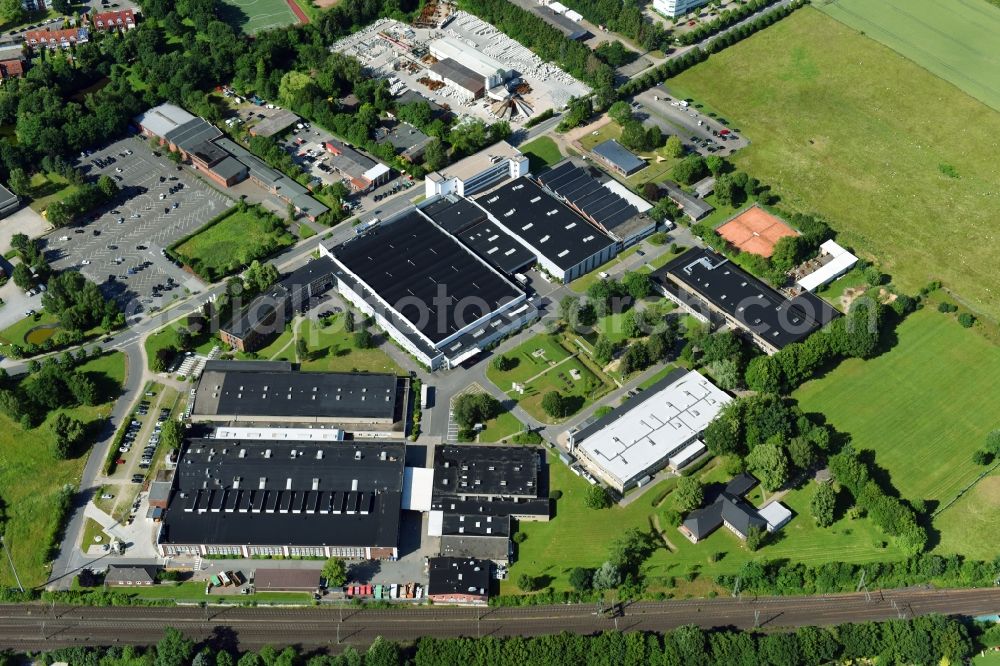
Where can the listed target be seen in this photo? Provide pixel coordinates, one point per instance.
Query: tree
(183, 339)
(363, 339)
(715, 164)
(472, 408)
(555, 405)
(755, 538)
(769, 463)
(823, 505)
(966, 320)
(568, 305)
(107, 186)
(526, 583)
(302, 349)
(12, 11)
(335, 572)
(689, 494)
(173, 649)
(637, 284)
(436, 155)
(981, 457)
(608, 577)
(604, 350)
(620, 112)
(689, 170)
(19, 182)
(504, 363)
(633, 135)
(674, 147)
(69, 432)
(763, 374)
(171, 434)
(22, 277)
(581, 579)
(597, 497)
(349, 322)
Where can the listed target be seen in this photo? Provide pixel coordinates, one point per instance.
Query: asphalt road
(37, 626)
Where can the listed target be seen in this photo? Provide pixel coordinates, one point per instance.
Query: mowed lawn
(542, 153)
(922, 407)
(954, 39)
(232, 243)
(252, 16)
(580, 537)
(332, 349)
(30, 478)
(964, 525)
(847, 128)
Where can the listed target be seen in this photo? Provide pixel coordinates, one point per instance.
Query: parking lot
(119, 246)
(700, 132)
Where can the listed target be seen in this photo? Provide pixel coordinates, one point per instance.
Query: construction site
(463, 64)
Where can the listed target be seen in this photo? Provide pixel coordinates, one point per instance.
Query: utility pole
(756, 618)
(736, 588)
(10, 559)
(862, 584)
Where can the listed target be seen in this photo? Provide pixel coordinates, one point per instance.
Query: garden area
(331, 348)
(232, 241)
(47, 188)
(33, 479)
(543, 365)
(542, 153)
(579, 536)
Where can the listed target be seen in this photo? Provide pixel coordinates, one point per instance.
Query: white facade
(674, 8)
(477, 172)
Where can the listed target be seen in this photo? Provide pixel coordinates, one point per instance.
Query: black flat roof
(284, 393)
(459, 74)
(544, 223)
(475, 525)
(619, 155)
(236, 492)
(758, 307)
(483, 507)
(470, 224)
(581, 188)
(432, 280)
(458, 575)
(506, 471)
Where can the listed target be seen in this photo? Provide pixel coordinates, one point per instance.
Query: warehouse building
(472, 226)
(832, 262)
(265, 317)
(709, 285)
(477, 172)
(605, 202)
(272, 392)
(455, 580)
(566, 245)
(618, 157)
(439, 300)
(658, 428)
(453, 73)
(362, 172)
(279, 498)
(221, 160)
(9, 202)
(490, 71)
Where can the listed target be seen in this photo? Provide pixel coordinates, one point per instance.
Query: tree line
(924, 640)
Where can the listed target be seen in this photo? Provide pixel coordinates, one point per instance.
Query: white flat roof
(841, 261)
(475, 164)
(290, 434)
(435, 523)
(574, 15)
(376, 172)
(776, 514)
(418, 484)
(558, 7)
(652, 427)
(468, 55)
(687, 454)
(161, 119)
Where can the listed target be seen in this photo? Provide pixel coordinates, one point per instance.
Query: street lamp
(11, 560)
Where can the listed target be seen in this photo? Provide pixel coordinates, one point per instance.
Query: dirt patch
(325, 4)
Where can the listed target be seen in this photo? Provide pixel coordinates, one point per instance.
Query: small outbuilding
(776, 514)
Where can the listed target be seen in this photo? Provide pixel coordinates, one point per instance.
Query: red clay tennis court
(755, 231)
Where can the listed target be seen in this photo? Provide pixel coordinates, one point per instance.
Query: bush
(947, 307)
(597, 497)
(555, 494)
(980, 457)
(966, 320)
(519, 537)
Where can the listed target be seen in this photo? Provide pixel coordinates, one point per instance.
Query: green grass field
(331, 349)
(954, 39)
(167, 337)
(232, 243)
(30, 478)
(551, 370)
(252, 16)
(580, 537)
(500, 428)
(963, 524)
(48, 188)
(845, 127)
(542, 153)
(920, 407)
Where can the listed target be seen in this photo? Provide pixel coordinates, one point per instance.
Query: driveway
(657, 106)
(15, 303)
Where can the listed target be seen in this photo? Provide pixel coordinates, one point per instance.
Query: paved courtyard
(119, 246)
